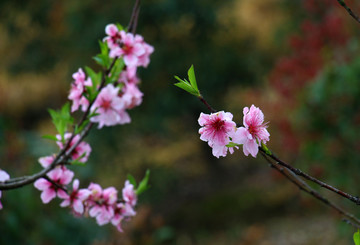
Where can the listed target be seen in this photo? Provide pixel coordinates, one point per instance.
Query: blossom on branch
(76, 198)
(81, 152)
(60, 177)
(253, 133)
(216, 129)
(132, 48)
(101, 203)
(109, 107)
(77, 90)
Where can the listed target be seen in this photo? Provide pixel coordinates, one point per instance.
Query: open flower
(101, 203)
(253, 133)
(110, 107)
(76, 198)
(61, 176)
(215, 130)
(130, 49)
(129, 194)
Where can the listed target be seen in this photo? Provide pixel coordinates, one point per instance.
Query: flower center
(127, 49)
(252, 130)
(218, 124)
(106, 104)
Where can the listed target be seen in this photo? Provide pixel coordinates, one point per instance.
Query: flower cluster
(105, 99)
(128, 46)
(103, 205)
(78, 88)
(219, 131)
(122, 94)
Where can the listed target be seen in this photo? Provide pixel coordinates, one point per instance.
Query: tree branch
(306, 188)
(351, 13)
(64, 154)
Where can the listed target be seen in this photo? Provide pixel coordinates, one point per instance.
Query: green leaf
(232, 144)
(62, 119)
(267, 151)
(186, 87)
(143, 185)
(95, 77)
(102, 60)
(357, 238)
(76, 162)
(50, 137)
(191, 74)
(190, 87)
(132, 180)
(104, 48)
(116, 70)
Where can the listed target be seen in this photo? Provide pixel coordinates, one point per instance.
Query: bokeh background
(297, 60)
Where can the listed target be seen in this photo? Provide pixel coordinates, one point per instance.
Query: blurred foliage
(236, 47)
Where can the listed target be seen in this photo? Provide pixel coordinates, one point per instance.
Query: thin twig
(212, 110)
(351, 13)
(313, 179)
(134, 15)
(306, 188)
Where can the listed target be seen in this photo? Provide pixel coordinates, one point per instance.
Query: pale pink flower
(128, 76)
(253, 133)
(144, 59)
(46, 161)
(61, 176)
(77, 90)
(81, 152)
(129, 49)
(3, 177)
(131, 96)
(110, 107)
(215, 130)
(129, 194)
(113, 39)
(76, 198)
(121, 212)
(101, 203)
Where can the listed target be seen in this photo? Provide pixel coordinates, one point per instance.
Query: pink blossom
(81, 152)
(61, 176)
(215, 130)
(144, 59)
(102, 203)
(131, 96)
(129, 194)
(3, 177)
(122, 211)
(129, 76)
(254, 131)
(76, 198)
(46, 161)
(77, 90)
(113, 38)
(110, 107)
(130, 50)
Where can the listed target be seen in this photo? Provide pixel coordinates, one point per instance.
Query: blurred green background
(297, 60)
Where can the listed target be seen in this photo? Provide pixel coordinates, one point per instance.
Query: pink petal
(47, 195)
(42, 184)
